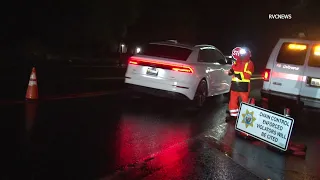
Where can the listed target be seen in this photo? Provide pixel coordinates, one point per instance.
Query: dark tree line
(67, 24)
(97, 25)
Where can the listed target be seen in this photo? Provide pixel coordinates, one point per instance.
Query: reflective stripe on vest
(245, 68)
(235, 79)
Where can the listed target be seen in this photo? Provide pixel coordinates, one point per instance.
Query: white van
(293, 72)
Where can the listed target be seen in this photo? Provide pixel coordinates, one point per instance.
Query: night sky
(76, 25)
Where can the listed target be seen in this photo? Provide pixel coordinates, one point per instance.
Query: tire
(201, 94)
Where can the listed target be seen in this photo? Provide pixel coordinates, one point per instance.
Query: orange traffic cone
(32, 91)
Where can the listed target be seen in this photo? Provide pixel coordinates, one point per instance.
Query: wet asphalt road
(118, 136)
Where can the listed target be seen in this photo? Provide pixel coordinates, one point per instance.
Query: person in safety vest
(241, 72)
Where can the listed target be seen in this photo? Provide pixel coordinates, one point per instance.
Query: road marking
(105, 78)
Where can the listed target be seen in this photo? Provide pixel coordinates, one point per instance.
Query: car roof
(301, 40)
(184, 45)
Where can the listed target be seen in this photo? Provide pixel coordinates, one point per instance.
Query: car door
(224, 79)
(212, 69)
(311, 87)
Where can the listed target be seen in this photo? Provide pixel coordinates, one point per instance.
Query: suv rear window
(294, 54)
(165, 51)
(314, 59)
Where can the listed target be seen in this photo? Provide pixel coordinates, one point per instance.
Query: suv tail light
(266, 75)
(162, 65)
(133, 62)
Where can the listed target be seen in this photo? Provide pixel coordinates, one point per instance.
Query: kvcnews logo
(288, 67)
(280, 16)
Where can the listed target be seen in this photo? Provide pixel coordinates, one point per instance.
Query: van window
(294, 54)
(314, 59)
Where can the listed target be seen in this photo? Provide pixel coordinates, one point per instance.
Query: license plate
(315, 82)
(152, 71)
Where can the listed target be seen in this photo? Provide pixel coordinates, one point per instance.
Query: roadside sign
(265, 125)
(236, 53)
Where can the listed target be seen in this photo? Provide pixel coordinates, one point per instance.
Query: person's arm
(237, 75)
(231, 71)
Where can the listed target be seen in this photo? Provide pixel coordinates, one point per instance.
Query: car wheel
(201, 94)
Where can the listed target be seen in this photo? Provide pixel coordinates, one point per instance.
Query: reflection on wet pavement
(91, 137)
(148, 130)
(153, 138)
(199, 160)
(193, 159)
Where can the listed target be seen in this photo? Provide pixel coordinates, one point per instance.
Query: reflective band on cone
(32, 83)
(33, 76)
